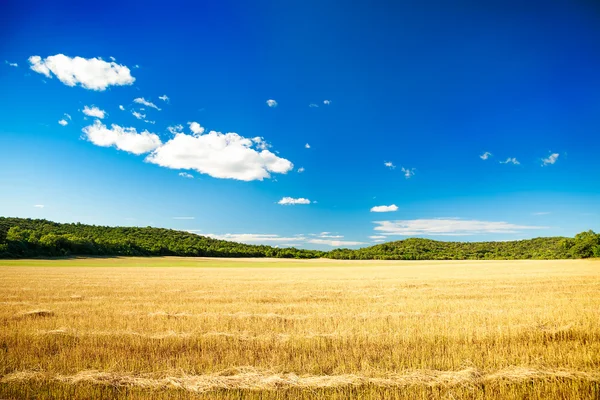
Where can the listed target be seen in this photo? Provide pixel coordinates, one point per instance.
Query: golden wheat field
(171, 328)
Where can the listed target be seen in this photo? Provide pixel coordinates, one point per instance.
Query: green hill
(27, 238)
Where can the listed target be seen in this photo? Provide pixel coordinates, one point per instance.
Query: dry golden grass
(203, 328)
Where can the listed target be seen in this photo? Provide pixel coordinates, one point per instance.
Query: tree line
(29, 238)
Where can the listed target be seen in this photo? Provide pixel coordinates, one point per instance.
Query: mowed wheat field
(170, 328)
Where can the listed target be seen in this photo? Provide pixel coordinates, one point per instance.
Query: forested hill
(25, 238)
(21, 238)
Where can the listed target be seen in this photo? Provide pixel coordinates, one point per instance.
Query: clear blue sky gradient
(427, 85)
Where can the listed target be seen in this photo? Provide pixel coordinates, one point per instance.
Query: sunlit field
(167, 328)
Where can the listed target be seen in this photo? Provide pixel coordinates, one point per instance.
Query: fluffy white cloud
(510, 161)
(288, 201)
(447, 227)
(93, 112)
(141, 100)
(126, 139)
(389, 164)
(260, 143)
(313, 105)
(253, 238)
(219, 155)
(550, 160)
(186, 175)
(485, 155)
(138, 115)
(301, 169)
(271, 103)
(334, 243)
(63, 122)
(92, 73)
(390, 208)
(39, 206)
(175, 129)
(327, 102)
(196, 128)
(408, 172)
(307, 146)
(164, 97)
(121, 108)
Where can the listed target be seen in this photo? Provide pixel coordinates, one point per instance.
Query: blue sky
(399, 101)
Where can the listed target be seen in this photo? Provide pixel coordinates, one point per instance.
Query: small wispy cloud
(175, 129)
(551, 159)
(307, 146)
(541, 213)
(389, 164)
(389, 208)
(11, 64)
(485, 155)
(408, 172)
(141, 100)
(448, 227)
(138, 115)
(301, 169)
(186, 175)
(39, 206)
(63, 122)
(121, 107)
(334, 243)
(327, 102)
(184, 217)
(271, 103)
(288, 201)
(313, 105)
(510, 160)
(164, 97)
(94, 111)
(68, 116)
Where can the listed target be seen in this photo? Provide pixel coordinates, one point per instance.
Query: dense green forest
(28, 238)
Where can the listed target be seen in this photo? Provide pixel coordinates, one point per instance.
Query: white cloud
(184, 217)
(92, 73)
(334, 243)
(175, 129)
(138, 115)
(164, 97)
(126, 139)
(331, 236)
(307, 146)
(541, 213)
(389, 164)
(510, 161)
(301, 169)
(261, 143)
(447, 227)
(11, 64)
(186, 175)
(408, 172)
(150, 122)
(327, 102)
(390, 208)
(112, 58)
(196, 128)
(550, 160)
(63, 122)
(219, 155)
(68, 116)
(271, 103)
(39, 206)
(485, 155)
(288, 201)
(378, 240)
(313, 105)
(374, 237)
(121, 108)
(141, 100)
(93, 112)
(253, 238)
